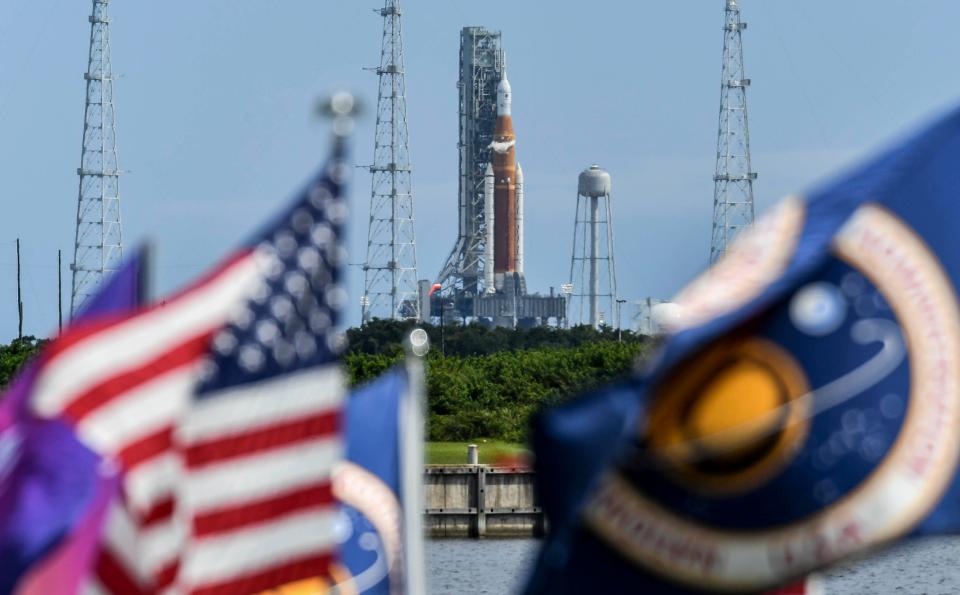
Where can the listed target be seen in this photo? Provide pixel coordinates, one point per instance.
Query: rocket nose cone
(504, 86)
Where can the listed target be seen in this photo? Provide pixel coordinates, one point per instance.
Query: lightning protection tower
(390, 270)
(592, 273)
(98, 247)
(733, 177)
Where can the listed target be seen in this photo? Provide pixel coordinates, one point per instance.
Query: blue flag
(805, 408)
(380, 433)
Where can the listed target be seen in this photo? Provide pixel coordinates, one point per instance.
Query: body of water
(500, 566)
(475, 566)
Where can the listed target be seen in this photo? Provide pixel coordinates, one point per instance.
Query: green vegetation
(488, 384)
(385, 337)
(478, 389)
(455, 453)
(14, 355)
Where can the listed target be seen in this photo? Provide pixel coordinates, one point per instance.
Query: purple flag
(53, 489)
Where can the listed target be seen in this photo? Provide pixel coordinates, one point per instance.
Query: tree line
(494, 395)
(15, 354)
(487, 383)
(386, 337)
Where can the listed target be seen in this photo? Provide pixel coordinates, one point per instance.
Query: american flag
(262, 435)
(220, 408)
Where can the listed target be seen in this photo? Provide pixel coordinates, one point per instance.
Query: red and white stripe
(229, 493)
(258, 483)
(125, 383)
(812, 585)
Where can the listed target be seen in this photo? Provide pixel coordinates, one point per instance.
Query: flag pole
(417, 345)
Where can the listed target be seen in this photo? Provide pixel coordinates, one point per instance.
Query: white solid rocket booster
(488, 283)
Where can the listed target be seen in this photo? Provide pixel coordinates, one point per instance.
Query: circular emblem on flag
(710, 437)
(371, 541)
(825, 425)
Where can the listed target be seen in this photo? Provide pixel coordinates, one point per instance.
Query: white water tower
(592, 271)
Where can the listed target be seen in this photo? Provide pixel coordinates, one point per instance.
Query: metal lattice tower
(733, 178)
(593, 277)
(481, 68)
(98, 248)
(390, 271)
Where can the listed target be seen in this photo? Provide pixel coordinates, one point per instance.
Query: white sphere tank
(667, 315)
(594, 181)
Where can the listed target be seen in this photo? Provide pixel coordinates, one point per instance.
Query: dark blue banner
(806, 406)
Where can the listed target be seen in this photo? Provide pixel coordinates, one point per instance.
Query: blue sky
(216, 130)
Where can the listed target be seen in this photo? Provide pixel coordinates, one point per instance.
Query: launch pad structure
(481, 68)
(483, 277)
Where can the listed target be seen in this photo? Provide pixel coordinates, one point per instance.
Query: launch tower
(483, 278)
(390, 270)
(98, 246)
(481, 68)
(733, 177)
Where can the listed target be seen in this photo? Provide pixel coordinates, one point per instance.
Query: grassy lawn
(455, 453)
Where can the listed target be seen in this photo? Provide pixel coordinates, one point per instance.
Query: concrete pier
(481, 501)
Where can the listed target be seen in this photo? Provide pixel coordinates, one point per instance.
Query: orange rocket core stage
(503, 158)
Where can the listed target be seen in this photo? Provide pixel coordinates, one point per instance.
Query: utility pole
(59, 291)
(733, 177)
(390, 270)
(19, 296)
(98, 248)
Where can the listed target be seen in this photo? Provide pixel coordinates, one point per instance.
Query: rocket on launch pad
(503, 198)
(496, 225)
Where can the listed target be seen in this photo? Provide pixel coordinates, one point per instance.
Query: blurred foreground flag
(220, 409)
(380, 485)
(262, 435)
(805, 408)
(54, 490)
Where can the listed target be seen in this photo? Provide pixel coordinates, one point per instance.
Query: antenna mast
(98, 248)
(733, 178)
(390, 270)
